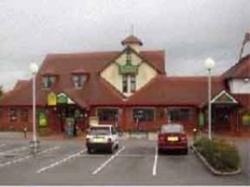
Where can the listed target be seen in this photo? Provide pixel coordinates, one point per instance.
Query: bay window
(24, 115)
(180, 114)
(143, 114)
(107, 114)
(12, 114)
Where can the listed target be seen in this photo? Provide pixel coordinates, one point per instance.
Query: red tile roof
(20, 83)
(79, 71)
(131, 40)
(244, 100)
(95, 91)
(162, 90)
(239, 70)
(176, 91)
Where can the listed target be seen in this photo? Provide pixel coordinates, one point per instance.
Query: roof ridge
(94, 52)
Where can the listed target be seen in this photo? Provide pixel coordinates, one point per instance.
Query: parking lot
(136, 162)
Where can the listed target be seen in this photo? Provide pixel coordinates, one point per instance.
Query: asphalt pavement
(136, 162)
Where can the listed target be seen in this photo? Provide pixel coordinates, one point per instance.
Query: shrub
(220, 154)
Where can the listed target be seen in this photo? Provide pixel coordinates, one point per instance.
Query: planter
(211, 168)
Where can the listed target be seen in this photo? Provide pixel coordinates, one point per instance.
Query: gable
(126, 64)
(224, 97)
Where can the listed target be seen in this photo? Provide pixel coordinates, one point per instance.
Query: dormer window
(79, 77)
(48, 81)
(78, 80)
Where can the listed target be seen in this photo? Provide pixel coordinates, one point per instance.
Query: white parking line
(14, 150)
(120, 155)
(27, 157)
(154, 173)
(107, 161)
(61, 161)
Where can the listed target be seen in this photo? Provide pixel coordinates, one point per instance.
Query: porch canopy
(224, 99)
(223, 105)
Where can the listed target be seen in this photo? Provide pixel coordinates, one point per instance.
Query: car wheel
(185, 151)
(159, 151)
(117, 146)
(90, 151)
(111, 150)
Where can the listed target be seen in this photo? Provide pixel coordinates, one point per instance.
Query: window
(143, 114)
(125, 83)
(48, 81)
(128, 83)
(24, 115)
(13, 114)
(107, 114)
(78, 80)
(179, 114)
(133, 83)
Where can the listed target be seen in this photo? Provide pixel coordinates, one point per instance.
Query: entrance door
(222, 117)
(68, 113)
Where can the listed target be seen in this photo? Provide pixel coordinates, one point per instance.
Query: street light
(34, 69)
(209, 64)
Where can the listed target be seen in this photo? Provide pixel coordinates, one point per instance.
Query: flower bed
(220, 155)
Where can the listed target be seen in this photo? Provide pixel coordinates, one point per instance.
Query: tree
(1, 91)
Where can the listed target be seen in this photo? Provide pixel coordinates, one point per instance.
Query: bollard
(194, 134)
(25, 132)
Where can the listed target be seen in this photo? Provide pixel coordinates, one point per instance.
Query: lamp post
(34, 70)
(209, 64)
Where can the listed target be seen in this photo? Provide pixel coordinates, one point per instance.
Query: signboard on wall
(42, 119)
(246, 119)
(62, 99)
(52, 99)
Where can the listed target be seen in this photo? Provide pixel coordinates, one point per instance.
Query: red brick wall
(18, 124)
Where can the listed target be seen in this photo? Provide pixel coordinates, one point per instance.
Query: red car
(172, 137)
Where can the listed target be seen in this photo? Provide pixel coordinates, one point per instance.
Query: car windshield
(99, 131)
(174, 128)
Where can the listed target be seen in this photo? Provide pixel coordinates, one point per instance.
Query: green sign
(62, 99)
(42, 119)
(201, 119)
(128, 68)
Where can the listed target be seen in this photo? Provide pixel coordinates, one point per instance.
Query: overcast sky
(188, 30)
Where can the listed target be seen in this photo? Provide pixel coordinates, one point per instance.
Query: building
(129, 89)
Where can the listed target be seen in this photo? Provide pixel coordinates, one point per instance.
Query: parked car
(102, 137)
(172, 137)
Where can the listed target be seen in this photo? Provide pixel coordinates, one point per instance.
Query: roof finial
(132, 29)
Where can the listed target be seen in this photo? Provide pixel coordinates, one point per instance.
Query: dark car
(172, 137)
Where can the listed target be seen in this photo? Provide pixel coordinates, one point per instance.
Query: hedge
(220, 154)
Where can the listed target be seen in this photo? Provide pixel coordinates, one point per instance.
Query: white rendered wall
(240, 86)
(145, 73)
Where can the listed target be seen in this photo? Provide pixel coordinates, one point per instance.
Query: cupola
(132, 42)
